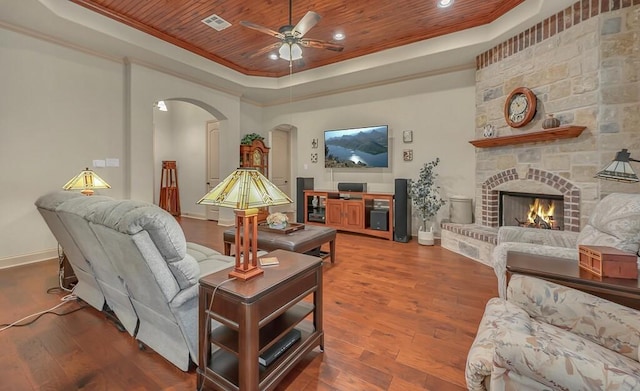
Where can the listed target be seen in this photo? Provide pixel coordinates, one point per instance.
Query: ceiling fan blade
(316, 43)
(266, 49)
(309, 20)
(262, 29)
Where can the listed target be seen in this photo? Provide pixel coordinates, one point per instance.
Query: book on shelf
(278, 348)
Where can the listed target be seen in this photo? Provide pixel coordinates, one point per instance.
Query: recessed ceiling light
(273, 56)
(338, 36)
(444, 3)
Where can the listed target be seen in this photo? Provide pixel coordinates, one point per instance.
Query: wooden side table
(254, 315)
(566, 272)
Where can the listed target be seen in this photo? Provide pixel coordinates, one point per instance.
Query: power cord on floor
(61, 270)
(66, 299)
(203, 372)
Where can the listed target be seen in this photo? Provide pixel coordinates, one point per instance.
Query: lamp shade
(245, 188)
(290, 51)
(86, 181)
(619, 169)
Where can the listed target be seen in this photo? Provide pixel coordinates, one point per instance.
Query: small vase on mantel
(550, 122)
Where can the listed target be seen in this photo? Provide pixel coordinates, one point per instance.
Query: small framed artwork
(407, 136)
(314, 143)
(314, 158)
(407, 155)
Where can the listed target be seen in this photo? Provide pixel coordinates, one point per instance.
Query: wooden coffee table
(300, 241)
(253, 315)
(568, 273)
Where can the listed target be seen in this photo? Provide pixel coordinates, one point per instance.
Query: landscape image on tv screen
(358, 147)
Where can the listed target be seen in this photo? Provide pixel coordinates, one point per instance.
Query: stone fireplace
(578, 64)
(534, 181)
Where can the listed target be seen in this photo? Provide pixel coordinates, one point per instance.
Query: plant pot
(278, 226)
(425, 238)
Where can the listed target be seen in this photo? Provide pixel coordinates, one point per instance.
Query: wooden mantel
(530, 137)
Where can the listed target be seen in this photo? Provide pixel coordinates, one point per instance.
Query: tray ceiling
(369, 27)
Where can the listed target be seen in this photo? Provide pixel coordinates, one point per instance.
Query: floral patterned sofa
(545, 336)
(614, 222)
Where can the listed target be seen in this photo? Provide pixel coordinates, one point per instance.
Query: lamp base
(245, 275)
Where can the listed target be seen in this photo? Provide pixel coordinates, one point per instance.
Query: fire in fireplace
(545, 211)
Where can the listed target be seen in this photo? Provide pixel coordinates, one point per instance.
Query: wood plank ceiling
(369, 26)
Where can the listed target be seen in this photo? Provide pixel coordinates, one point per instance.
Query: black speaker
(402, 211)
(302, 184)
(352, 186)
(378, 219)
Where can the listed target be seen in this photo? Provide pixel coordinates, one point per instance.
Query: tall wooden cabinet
(256, 155)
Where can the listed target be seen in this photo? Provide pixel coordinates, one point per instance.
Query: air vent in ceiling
(216, 22)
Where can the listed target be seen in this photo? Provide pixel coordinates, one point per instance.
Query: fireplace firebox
(544, 211)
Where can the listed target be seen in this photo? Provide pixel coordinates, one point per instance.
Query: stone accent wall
(583, 64)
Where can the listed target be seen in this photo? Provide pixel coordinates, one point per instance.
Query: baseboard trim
(226, 222)
(28, 258)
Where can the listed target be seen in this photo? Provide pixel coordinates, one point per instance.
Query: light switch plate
(98, 163)
(113, 162)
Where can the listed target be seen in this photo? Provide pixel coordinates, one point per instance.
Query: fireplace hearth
(543, 211)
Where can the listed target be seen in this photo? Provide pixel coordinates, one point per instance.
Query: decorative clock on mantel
(520, 107)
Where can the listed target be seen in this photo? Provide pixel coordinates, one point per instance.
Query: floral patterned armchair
(546, 336)
(614, 222)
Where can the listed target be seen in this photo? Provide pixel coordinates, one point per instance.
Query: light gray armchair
(87, 288)
(138, 260)
(614, 222)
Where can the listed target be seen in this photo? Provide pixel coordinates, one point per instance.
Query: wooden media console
(365, 213)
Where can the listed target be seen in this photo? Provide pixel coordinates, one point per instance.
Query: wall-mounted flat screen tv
(366, 147)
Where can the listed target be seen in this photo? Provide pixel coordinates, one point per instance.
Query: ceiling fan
(290, 36)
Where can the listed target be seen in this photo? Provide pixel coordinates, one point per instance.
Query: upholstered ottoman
(300, 241)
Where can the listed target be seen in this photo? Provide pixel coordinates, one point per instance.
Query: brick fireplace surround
(570, 193)
(478, 240)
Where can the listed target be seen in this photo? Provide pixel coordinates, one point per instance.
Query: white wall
(59, 110)
(439, 110)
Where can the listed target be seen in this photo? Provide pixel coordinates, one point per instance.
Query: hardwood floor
(397, 317)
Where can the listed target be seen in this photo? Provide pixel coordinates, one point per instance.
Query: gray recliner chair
(87, 288)
(149, 251)
(154, 272)
(73, 214)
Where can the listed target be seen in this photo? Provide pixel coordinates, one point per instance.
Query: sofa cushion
(52, 200)
(614, 222)
(131, 217)
(560, 360)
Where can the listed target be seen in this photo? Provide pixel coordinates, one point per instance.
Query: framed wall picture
(407, 136)
(407, 155)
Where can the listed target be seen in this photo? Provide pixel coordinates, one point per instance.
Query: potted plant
(426, 200)
(248, 138)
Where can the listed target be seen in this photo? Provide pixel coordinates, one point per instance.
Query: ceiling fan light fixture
(273, 56)
(290, 51)
(444, 3)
